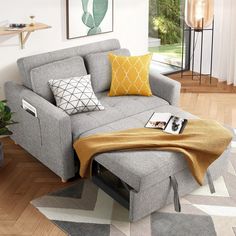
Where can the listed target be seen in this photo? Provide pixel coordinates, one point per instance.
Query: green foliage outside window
(164, 20)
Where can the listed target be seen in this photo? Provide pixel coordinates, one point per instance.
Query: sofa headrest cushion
(71, 67)
(26, 64)
(98, 65)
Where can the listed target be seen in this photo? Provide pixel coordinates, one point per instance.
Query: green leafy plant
(93, 20)
(5, 118)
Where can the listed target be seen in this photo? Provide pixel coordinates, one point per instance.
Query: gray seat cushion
(116, 108)
(98, 65)
(64, 69)
(141, 169)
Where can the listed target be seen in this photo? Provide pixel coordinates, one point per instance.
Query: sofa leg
(64, 180)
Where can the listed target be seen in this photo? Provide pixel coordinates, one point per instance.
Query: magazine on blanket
(166, 122)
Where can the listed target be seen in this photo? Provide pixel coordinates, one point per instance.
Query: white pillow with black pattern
(75, 95)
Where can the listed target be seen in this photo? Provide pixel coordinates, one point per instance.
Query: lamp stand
(193, 33)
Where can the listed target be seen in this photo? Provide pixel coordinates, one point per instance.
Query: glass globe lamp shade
(199, 13)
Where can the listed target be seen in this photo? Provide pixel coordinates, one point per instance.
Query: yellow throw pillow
(130, 75)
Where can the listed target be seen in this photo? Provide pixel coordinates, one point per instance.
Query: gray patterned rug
(85, 210)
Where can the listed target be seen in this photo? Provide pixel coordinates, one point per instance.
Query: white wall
(130, 27)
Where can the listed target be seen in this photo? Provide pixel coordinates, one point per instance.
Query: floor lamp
(199, 14)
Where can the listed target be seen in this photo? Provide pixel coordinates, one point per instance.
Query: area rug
(84, 210)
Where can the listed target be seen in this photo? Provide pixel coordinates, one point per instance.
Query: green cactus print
(94, 20)
(85, 5)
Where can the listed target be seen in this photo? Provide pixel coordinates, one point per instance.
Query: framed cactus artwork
(89, 17)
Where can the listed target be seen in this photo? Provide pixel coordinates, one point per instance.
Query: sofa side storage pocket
(31, 132)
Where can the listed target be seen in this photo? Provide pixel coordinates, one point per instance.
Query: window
(166, 35)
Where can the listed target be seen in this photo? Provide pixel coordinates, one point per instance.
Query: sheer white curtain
(225, 41)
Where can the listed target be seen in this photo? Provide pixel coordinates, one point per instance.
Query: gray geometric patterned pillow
(75, 95)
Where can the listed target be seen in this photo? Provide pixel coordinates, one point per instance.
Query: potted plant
(5, 121)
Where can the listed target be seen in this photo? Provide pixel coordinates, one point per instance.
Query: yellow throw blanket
(202, 142)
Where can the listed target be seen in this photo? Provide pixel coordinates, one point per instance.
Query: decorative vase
(32, 21)
(1, 153)
(199, 13)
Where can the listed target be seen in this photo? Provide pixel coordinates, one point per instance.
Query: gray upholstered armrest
(46, 110)
(48, 137)
(164, 87)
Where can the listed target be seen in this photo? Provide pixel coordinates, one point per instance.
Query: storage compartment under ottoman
(144, 187)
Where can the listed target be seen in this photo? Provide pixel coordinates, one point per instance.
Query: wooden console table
(23, 33)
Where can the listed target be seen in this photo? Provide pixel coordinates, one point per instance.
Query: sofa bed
(140, 180)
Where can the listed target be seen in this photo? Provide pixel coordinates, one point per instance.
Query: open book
(166, 122)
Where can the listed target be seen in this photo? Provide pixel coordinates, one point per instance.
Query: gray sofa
(139, 179)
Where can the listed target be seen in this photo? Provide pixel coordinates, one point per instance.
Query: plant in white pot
(5, 121)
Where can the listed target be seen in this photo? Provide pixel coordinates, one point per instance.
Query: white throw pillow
(75, 95)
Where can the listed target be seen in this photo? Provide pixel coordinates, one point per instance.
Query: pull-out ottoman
(147, 175)
(140, 180)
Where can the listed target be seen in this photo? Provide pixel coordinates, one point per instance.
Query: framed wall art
(89, 17)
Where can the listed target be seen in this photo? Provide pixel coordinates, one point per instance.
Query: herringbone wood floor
(22, 178)
(217, 106)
